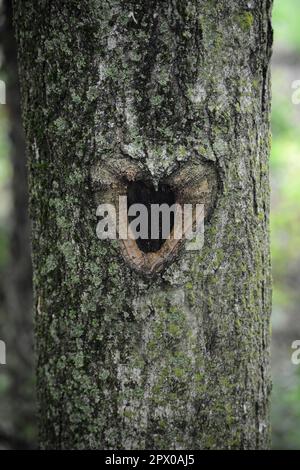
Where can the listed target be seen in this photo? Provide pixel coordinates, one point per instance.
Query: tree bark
(127, 360)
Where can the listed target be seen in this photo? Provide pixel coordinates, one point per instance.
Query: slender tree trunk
(136, 351)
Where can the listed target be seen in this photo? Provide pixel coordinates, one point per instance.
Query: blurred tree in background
(16, 386)
(285, 224)
(17, 425)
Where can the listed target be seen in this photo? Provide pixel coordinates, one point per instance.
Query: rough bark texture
(180, 360)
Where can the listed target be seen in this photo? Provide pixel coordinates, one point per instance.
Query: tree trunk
(164, 352)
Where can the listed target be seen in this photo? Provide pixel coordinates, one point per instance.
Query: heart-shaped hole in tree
(140, 192)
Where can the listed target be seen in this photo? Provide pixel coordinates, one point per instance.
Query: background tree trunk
(19, 402)
(181, 359)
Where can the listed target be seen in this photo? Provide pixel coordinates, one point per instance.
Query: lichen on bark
(179, 361)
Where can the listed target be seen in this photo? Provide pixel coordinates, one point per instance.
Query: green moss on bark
(181, 360)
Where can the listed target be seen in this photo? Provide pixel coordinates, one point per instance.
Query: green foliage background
(285, 224)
